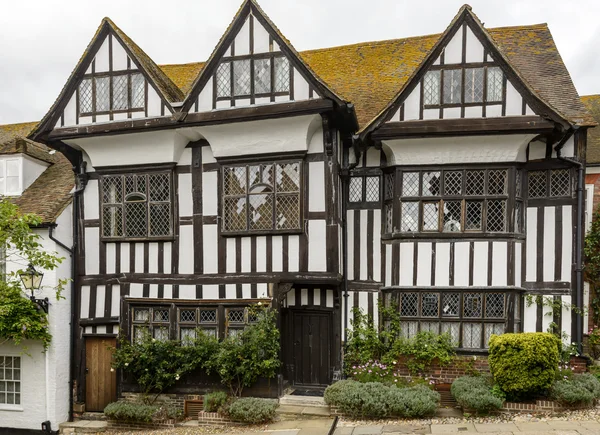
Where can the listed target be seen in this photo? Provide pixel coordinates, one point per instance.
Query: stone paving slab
(408, 428)
(495, 427)
(452, 428)
(368, 430)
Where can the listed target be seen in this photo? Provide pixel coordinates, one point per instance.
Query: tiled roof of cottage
(592, 102)
(50, 193)
(370, 74)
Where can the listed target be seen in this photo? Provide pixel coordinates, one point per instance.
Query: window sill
(14, 408)
(449, 235)
(137, 239)
(262, 233)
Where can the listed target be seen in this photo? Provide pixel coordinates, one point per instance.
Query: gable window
(264, 75)
(10, 380)
(262, 197)
(452, 201)
(10, 176)
(463, 85)
(112, 92)
(137, 206)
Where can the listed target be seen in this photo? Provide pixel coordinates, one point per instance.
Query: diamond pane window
(452, 86)
(472, 305)
(160, 315)
(260, 207)
(495, 79)
(471, 336)
(187, 335)
(452, 216)
(537, 184)
(102, 94)
(431, 184)
(187, 316)
(389, 218)
(410, 217)
(262, 76)
(494, 305)
(560, 182)
(119, 92)
(409, 304)
(409, 329)
(475, 183)
(236, 315)
(235, 214)
(519, 217)
(288, 212)
(85, 96)
(161, 334)
(453, 182)
(112, 221)
(497, 182)
(282, 74)
(519, 183)
(430, 305)
(241, 77)
(372, 190)
(140, 333)
(496, 215)
(433, 327)
(288, 177)
(450, 304)
(410, 184)
(431, 88)
(141, 314)
(136, 218)
(355, 192)
(492, 329)
(223, 80)
(208, 316)
(473, 215)
(473, 85)
(431, 216)
(389, 185)
(453, 329)
(138, 93)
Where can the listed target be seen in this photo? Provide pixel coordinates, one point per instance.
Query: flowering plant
(376, 371)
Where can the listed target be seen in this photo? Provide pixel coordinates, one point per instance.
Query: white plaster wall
(453, 51)
(474, 149)
(32, 169)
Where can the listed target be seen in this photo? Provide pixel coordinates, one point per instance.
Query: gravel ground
(190, 430)
(586, 414)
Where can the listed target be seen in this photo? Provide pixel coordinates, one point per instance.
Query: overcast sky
(42, 40)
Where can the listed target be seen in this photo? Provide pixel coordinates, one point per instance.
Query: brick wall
(595, 180)
(119, 425)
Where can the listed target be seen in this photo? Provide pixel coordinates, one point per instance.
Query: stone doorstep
(322, 411)
(302, 401)
(83, 426)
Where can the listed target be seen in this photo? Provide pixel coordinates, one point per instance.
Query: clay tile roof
(50, 193)
(370, 74)
(592, 102)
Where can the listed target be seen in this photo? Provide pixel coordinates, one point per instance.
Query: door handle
(87, 370)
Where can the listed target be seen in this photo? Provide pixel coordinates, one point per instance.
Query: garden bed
(215, 419)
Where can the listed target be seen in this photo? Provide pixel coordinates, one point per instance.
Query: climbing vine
(592, 265)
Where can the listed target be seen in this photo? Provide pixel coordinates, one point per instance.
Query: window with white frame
(470, 317)
(10, 176)
(455, 86)
(262, 197)
(10, 380)
(112, 93)
(452, 201)
(137, 206)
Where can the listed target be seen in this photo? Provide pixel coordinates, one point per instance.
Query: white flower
(259, 304)
(126, 364)
(153, 340)
(474, 357)
(112, 370)
(176, 377)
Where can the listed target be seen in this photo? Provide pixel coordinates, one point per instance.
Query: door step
(302, 406)
(83, 426)
(289, 399)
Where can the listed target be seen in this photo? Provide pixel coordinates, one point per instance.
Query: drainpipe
(345, 184)
(578, 237)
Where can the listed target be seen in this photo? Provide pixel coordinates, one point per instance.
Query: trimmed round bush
(213, 402)
(524, 364)
(376, 400)
(140, 412)
(475, 392)
(253, 410)
(580, 390)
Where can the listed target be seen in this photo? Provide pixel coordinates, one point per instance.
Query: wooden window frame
(252, 95)
(548, 185)
(512, 319)
(464, 66)
(275, 194)
(398, 198)
(148, 202)
(363, 174)
(111, 75)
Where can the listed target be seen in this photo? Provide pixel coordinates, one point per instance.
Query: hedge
(139, 412)
(580, 390)
(475, 392)
(213, 402)
(252, 410)
(524, 364)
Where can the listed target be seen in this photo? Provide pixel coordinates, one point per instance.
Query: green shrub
(213, 402)
(421, 350)
(141, 413)
(524, 364)
(579, 390)
(376, 400)
(475, 393)
(252, 410)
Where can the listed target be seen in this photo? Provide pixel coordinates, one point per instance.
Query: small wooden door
(312, 347)
(101, 383)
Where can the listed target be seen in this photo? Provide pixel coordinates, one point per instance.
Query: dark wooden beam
(464, 127)
(225, 116)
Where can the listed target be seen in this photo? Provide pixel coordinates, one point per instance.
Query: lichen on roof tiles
(592, 102)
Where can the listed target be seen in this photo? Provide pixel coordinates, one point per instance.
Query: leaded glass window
(452, 86)
(495, 84)
(137, 206)
(552, 183)
(364, 189)
(474, 85)
(431, 88)
(109, 92)
(262, 197)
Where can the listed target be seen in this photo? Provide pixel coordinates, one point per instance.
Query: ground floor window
(10, 380)
(181, 322)
(471, 317)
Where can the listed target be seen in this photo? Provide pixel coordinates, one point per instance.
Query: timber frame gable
(251, 11)
(154, 77)
(466, 19)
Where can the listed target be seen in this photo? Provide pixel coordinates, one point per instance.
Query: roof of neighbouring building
(592, 102)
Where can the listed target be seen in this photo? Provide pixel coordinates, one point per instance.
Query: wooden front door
(100, 382)
(312, 357)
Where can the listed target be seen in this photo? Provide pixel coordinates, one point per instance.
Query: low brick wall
(215, 418)
(121, 425)
(175, 400)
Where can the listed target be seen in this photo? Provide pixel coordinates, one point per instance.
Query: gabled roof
(165, 87)
(592, 102)
(370, 74)
(247, 7)
(50, 193)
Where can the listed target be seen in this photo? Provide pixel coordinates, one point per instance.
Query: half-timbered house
(437, 174)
